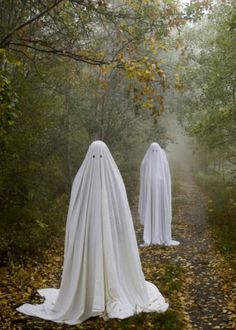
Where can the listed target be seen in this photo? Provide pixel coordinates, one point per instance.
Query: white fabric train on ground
(102, 273)
(155, 197)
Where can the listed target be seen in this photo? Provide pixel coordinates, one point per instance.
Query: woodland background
(77, 70)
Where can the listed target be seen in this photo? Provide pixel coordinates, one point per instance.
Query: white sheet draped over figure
(102, 273)
(155, 197)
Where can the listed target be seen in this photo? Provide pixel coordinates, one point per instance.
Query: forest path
(208, 290)
(193, 277)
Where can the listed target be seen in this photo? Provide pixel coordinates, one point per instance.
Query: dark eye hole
(156, 150)
(93, 156)
(100, 156)
(152, 150)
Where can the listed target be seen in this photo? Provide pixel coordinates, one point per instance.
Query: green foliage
(33, 195)
(9, 111)
(207, 109)
(208, 106)
(232, 22)
(196, 9)
(8, 103)
(221, 210)
(61, 115)
(52, 108)
(79, 30)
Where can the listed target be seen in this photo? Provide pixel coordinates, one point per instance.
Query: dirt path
(193, 276)
(208, 277)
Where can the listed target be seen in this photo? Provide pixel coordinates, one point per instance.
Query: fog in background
(178, 150)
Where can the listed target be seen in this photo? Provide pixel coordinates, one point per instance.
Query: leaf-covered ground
(198, 283)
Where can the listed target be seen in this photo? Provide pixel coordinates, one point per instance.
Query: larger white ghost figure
(102, 273)
(155, 197)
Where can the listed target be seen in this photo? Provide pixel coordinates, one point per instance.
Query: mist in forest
(178, 150)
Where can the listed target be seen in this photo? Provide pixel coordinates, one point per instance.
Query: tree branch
(62, 52)
(6, 40)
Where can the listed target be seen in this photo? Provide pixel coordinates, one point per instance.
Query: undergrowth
(221, 211)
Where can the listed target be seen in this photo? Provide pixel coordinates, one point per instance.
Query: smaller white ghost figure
(155, 198)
